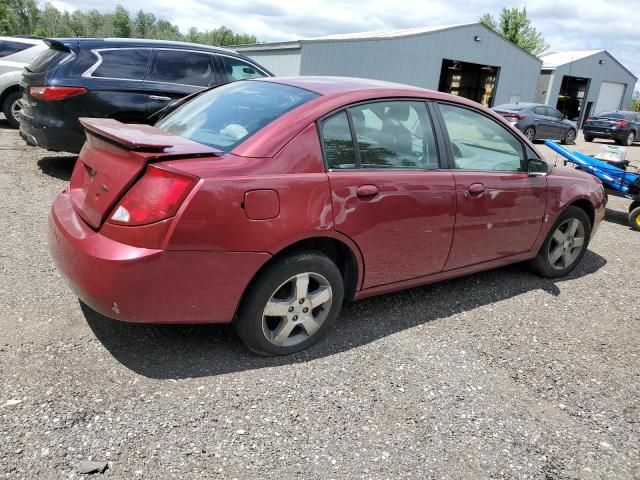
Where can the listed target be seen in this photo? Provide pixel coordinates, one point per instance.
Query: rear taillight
(55, 93)
(156, 196)
(512, 117)
(621, 123)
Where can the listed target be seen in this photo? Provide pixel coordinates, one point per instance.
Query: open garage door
(610, 97)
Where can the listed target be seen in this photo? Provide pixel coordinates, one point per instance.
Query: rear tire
(570, 137)
(291, 304)
(587, 138)
(530, 133)
(629, 139)
(11, 108)
(634, 219)
(565, 244)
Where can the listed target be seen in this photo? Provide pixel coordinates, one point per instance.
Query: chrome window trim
(89, 72)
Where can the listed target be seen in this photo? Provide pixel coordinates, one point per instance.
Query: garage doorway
(469, 80)
(573, 91)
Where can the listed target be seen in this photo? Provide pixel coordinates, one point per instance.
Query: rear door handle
(475, 190)
(367, 191)
(159, 98)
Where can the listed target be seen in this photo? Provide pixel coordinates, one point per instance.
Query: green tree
(121, 23)
(515, 25)
(144, 23)
(5, 17)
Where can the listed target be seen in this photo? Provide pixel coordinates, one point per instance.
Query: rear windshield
(226, 116)
(47, 60)
(615, 115)
(9, 48)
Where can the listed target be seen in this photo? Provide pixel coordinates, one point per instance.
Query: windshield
(226, 116)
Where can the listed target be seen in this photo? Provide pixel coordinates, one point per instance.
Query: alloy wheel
(630, 138)
(566, 244)
(297, 309)
(15, 110)
(571, 137)
(530, 133)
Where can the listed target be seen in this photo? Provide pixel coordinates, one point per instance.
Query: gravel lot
(497, 375)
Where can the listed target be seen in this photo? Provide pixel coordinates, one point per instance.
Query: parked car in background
(538, 121)
(124, 79)
(15, 54)
(621, 126)
(267, 202)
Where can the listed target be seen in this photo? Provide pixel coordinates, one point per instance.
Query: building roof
(552, 60)
(405, 32)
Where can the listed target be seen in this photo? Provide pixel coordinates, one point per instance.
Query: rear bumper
(53, 134)
(602, 133)
(144, 285)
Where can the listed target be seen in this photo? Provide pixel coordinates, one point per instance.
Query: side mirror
(537, 167)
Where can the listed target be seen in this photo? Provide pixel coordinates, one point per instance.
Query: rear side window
(9, 48)
(338, 144)
(47, 60)
(226, 116)
(126, 64)
(184, 67)
(237, 69)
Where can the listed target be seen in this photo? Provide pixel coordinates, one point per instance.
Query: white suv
(15, 54)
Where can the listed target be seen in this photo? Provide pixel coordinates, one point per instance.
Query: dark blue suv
(125, 79)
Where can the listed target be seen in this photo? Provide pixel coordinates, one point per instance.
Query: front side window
(553, 113)
(226, 116)
(121, 63)
(479, 143)
(183, 67)
(237, 69)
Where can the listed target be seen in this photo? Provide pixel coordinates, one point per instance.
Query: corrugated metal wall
(417, 60)
(591, 68)
(281, 62)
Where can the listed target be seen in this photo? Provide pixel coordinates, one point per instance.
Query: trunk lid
(114, 157)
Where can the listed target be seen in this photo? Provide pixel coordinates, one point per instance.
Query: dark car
(539, 121)
(621, 126)
(124, 79)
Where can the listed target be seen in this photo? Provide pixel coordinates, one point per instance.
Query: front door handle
(159, 98)
(367, 191)
(475, 190)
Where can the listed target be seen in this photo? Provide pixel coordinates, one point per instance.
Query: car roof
(138, 42)
(22, 39)
(520, 105)
(327, 85)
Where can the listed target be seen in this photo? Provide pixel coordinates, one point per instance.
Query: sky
(566, 25)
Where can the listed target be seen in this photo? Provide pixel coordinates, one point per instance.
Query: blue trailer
(617, 182)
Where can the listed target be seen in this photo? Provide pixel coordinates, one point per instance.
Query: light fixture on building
(601, 62)
(477, 38)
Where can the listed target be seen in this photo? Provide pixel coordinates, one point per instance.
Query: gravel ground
(496, 375)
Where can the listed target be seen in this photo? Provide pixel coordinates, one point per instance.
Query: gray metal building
(584, 83)
(469, 60)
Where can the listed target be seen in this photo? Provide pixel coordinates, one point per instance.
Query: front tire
(291, 304)
(570, 137)
(565, 245)
(11, 109)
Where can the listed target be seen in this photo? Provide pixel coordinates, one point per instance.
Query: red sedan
(267, 203)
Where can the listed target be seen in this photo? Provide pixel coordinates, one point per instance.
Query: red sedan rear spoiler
(144, 138)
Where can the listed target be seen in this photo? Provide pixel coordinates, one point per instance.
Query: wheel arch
(342, 251)
(587, 206)
(8, 91)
